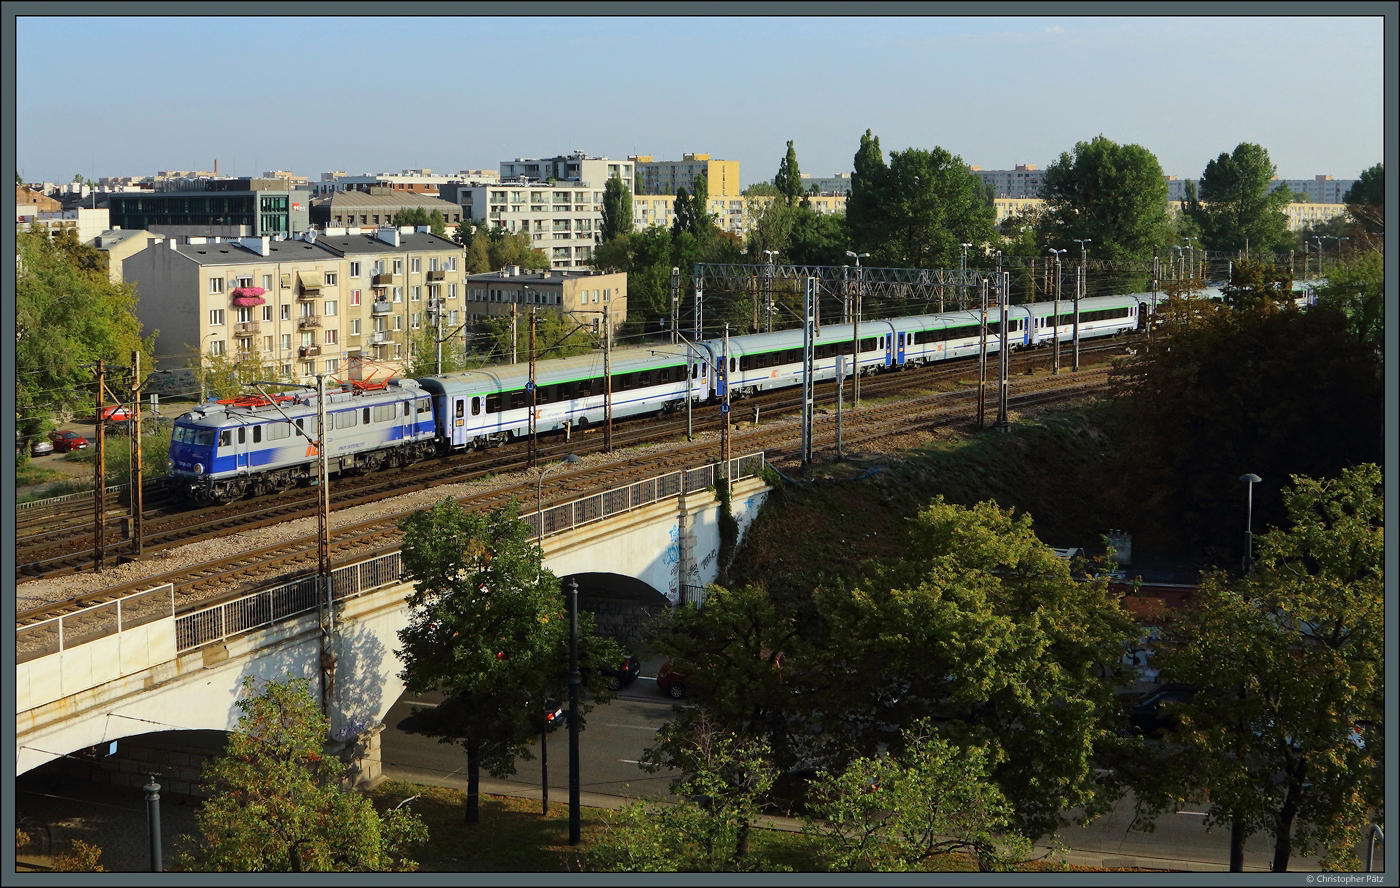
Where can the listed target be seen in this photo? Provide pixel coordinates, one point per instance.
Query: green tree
(617, 210)
(1290, 663)
(896, 813)
(436, 224)
(413, 216)
(1365, 199)
(788, 181)
(915, 212)
(1236, 209)
(556, 336)
(277, 804)
(1112, 194)
(514, 248)
(487, 628)
(1255, 286)
(424, 353)
(229, 376)
(1356, 288)
(1227, 391)
(478, 254)
(68, 314)
(723, 782)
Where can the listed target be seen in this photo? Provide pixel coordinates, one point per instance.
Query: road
(616, 735)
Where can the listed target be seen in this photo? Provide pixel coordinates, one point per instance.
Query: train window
(366, 418)
(517, 399)
(257, 434)
(241, 436)
(460, 408)
(425, 405)
(225, 438)
(385, 412)
(694, 371)
(299, 425)
(476, 406)
(276, 431)
(493, 403)
(542, 394)
(644, 379)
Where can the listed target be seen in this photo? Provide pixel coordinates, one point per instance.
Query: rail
(270, 606)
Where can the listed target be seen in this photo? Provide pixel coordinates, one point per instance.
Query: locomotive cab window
(257, 434)
(225, 437)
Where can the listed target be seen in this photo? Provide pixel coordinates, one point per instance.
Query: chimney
(216, 166)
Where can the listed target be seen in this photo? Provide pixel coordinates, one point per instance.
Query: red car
(116, 413)
(64, 441)
(670, 682)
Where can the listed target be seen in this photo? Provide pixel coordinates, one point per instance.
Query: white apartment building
(562, 218)
(578, 168)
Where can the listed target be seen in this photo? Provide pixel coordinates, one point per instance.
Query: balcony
(380, 307)
(308, 351)
(308, 295)
(245, 328)
(437, 275)
(379, 338)
(307, 321)
(385, 280)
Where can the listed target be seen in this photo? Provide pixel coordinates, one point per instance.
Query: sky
(132, 95)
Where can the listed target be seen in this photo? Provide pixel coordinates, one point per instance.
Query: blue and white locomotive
(224, 450)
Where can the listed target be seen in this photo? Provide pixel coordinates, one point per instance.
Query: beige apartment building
(665, 176)
(582, 295)
(346, 302)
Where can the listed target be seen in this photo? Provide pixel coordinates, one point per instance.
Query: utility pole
(724, 408)
(699, 332)
(1079, 290)
(768, 292)
(675, 303)
(1003, 293)
(962, 279)
(512, 332)
(99, 480)
(323, 547)
(135, 486)
(982, 365)
(534, 396)
(855, 332)
(1056, 319)
(607, 382)
(809, 291)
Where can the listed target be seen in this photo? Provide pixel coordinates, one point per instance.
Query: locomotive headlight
(199, 468)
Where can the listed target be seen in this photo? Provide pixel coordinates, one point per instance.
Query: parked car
(115, 413)
(40, 446)
(1153, 715)
(64, 440)
(554, 715)
(670, 682)
(623, 674)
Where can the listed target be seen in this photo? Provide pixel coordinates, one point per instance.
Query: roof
(416, 242)
(227, 253)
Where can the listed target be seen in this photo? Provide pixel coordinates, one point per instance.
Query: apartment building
(837, 184)
(1022, 182)
(422, 182)
(346, 303)
(580, 168)
(376, 206)
(561, 218)
(581, 295)
(666, 176)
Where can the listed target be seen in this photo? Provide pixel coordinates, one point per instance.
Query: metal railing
(268, 607)
(91, 623)
(68, 498)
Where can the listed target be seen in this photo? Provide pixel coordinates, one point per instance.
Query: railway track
(69, 548)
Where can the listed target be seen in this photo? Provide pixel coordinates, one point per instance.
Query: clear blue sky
(130, 96)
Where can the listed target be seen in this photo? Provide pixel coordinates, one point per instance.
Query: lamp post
(855, 334)
(1176, 260)
(1191, 256)
(574, 681)
(1081, 286)
(1339, 246)
(1251, 479)
(1055, 319)
(768, 300)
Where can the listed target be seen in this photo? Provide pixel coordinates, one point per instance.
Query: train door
(899, 348)
(240, 449)
(458, 417)
(886, 343)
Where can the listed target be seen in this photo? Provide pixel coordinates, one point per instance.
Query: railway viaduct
(127, 670)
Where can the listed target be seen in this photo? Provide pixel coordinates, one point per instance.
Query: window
(398, 294)
(243, 314)
(267, 343)
(267, 313)
(308, 368)
(216, 317)
(332, 365)
(330, 278)
(286, 369)
(332, 337)
(451, 291)
(354, 297)
(308, 338)
(354, 326)
(417, 292)
(449, 264)
(331, 307)
(286, 313)
(415, 320)
(417, 266)
(244, 281)
(398, 266)
(286, 342)
(276, 431)
(267, 284)
(398, 322)
(216, 285)
(354, 269)
(216, 347)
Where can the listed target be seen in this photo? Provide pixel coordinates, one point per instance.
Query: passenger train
(224, 450)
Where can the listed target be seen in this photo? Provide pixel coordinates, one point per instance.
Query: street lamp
(574, 681)
(855, 334)
(1055, 319)
(1339, 247)
(567, 459)
(1191, 256)
(1082, 286)
(1251, 479)
(1176, 260)
(1319, 240)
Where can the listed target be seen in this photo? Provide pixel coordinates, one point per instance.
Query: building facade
(344, 303)
(582, 295)
(667, 176)
(580, 168)
(376, 206)
(561, 218)
(213, 208)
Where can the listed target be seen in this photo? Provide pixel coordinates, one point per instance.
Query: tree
(917, 211)
(1255, 286)
(487, 629)
(1112, 194)
(436, 224)
(1356, 288)
(1365, 199)
(229, 376)
(617, 210)
(277, 804)
(514, 248)
(1290, 664)
(1225, 391)
(896, 813)
(556, 336)
(788, 181)
(724, 780)
(413, 216)
(1237, 210)
(817, 238)
(68, 314)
